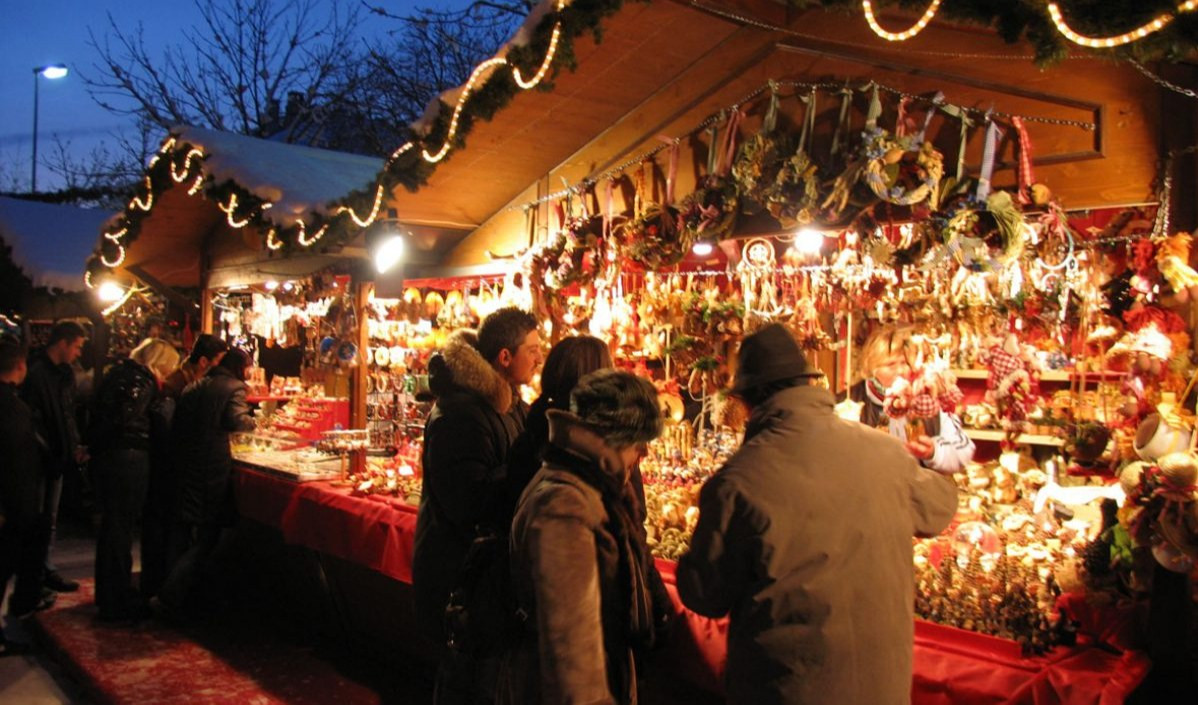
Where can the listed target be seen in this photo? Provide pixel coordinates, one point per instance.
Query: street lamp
(51, 71)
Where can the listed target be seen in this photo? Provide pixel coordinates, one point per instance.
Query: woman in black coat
(129, 418)
(209, 411)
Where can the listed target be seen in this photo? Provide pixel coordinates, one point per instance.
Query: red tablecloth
(951, 665)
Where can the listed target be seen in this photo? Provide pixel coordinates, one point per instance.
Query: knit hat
(770, 355)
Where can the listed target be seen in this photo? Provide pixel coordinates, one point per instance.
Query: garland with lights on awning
(1142, 29)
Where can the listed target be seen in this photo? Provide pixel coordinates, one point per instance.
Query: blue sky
(38, 32)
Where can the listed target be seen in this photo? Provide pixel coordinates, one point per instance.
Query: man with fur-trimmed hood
(477, 417)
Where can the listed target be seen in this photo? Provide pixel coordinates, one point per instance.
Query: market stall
(728, 167)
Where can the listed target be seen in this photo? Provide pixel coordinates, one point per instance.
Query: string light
(120, 302)
(119, 260)
(147, 204)
(272, 241)
(899, 36)
(374, 212)
(116, 237)
(557, 33)
(303, 234)
(181, 176)
(228, 209)
(1157, 24)
(195, 187)
(404, 148)
(479, 70)
(87, 279)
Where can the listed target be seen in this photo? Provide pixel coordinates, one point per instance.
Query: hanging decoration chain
(611, 172)
(1160, 228)
(1161, 81)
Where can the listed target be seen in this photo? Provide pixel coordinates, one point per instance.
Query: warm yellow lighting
(374, 212)
(272, 285)
(303, 234)
(116, 236)
(899, 36)
(119, 302)
(1157, 24)
(479, 70)
(557, 33)
(119, 259)
(149, 202)
(110, 291)
(808, 241)
(181, 176)
(272, 240)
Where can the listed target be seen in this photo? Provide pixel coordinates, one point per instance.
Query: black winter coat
(22, 450)
(209, 410)
(465, 486)
(49, 390)
(124, 405)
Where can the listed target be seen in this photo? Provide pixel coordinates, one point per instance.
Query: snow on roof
(50, 242)
(295, 178)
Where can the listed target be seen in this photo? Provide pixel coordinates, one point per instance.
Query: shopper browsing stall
(804, 536)
(206, 353)
(886, 363)
(50, 391)
(131, 417)
(477, 417)
(580, 565)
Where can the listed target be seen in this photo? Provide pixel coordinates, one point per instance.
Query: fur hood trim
(469, 370)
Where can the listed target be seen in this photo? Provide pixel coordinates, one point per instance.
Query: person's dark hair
(207, 345)
(236, 361)
(756, 396)
(12, 352)
(619, 405)
(569, 361)
(69, 331)
(504, 329)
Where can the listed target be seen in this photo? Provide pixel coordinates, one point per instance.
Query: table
(950, 665)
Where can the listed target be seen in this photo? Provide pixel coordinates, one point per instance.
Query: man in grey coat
(804, 538)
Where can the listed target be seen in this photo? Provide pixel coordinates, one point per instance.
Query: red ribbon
(1025, 175)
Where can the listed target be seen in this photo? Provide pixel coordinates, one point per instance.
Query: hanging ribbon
(608, 207)
(841, 121)
(770, 122)
(937, 101)
(671, 167)
(713, 147)
(989, 153)
(729, 151)
(960, 114)
(875, 109)
(1024, 175)
(638, 191)
(808, 120)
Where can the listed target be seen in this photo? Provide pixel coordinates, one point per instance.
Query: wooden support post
(357, 387)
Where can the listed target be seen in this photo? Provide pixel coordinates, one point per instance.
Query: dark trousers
(22, 553)
(466, 679)
(192, 547)
(156, 523)
(122, 481)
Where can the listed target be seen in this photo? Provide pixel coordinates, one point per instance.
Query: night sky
(38, 32)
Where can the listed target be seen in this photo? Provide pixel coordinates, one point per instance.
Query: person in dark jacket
(206, 353)
(21, 486)
(130, 416)
(477, 417)
(208, 412)
(579, 562)
(804, 538)
(49, 390)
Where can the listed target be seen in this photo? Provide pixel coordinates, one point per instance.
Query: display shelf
(979, 434)
(1047, 375)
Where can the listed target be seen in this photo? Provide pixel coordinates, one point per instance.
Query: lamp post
(51, 71)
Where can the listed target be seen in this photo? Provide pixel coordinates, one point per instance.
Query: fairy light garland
(906, 34)
(119, 260)
(273, 243)
(116, 236)
(1157, 24)
(129, 293)
(303, 238)
(540, 74)
(195, 187)
(374, 212)
(148, 203)
(479, 70)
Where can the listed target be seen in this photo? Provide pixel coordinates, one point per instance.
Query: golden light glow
(906, 34)
(181, 176)
(303, 234)
(540, 74)
(195, 187)
(403, 148)
(228, 209)
(119, 302)
(87, 279)
(149, 202)
(479, 70)
(1157, 24)
(116, 237)
(374, 212)
(119, 260)
(272, 240)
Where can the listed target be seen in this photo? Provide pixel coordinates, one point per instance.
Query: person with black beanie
(209, 411)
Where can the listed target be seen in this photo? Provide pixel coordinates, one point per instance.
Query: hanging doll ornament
(652, 237)
(1012, 384)
(710, 212)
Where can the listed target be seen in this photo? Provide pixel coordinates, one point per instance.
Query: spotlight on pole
(110, 292)
(808, 241)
